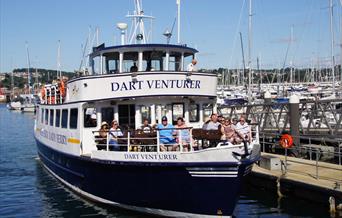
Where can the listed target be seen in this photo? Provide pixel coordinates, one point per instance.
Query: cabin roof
(142, 47)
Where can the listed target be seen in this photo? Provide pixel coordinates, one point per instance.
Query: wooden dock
(316, 181)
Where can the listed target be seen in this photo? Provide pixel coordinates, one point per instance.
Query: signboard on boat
(141, 85)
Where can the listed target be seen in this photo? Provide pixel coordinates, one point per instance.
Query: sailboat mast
(332, 45)
(178, 21)
(59, 72)
(250, 49)
(28, 70)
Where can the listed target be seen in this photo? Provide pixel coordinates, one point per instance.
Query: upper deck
(140, 70)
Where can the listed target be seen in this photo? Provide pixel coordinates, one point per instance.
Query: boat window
(46, 116)
(174, 62)
(112, 66)
(65, 118)
(90, 117)
(96, 65)
(177, 111)
(58, 117)
(42, 116)
(193, 112)
(127, 116)
(129, 59)
(207, 111)
(152, 61)
(107, 114)
(52, 117)
(73, 118)
(145, 112)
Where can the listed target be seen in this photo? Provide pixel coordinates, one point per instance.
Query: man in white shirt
(243, 130)
(192, 66)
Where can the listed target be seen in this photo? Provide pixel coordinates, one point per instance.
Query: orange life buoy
(286, 141)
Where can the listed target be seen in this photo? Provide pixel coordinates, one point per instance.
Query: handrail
(185, 142)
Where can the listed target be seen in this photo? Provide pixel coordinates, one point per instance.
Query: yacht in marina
(125, 85)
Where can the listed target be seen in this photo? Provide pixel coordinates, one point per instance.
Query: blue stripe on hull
(162, 187)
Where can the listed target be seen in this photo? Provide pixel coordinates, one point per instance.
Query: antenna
(168, 34)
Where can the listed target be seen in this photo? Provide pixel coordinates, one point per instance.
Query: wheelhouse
(147, 57)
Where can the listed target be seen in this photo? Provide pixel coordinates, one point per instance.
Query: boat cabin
(114, 89)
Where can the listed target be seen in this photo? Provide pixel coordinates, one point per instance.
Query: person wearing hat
(166, 139)
(103, 133)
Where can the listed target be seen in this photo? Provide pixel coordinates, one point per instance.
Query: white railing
(178, 140)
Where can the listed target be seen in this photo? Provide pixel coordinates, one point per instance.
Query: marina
(28, 190)
(148, 127)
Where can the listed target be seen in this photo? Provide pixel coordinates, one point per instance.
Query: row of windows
(59, 117)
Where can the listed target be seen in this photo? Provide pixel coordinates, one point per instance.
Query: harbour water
(28, 190)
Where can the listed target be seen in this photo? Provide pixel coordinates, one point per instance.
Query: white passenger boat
(200, 177)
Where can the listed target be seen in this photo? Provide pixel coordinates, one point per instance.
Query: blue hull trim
(166, 187)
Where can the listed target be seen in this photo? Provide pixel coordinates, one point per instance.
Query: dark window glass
(52, 116)
(65, 118)
(90, 117)
(73, 118)
(58, 117)
(42, 116)
(46, 116)
(127, 116)
(193, 112)
(107, 114)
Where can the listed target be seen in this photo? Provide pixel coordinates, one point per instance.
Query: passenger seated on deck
(213, 124)
(103, 133)
(227, 130)
(243, 132)
(146, 128)
(166, 139)
(183, 135)
(114, 133)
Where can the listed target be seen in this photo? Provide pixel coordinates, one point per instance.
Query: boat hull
(169, 189)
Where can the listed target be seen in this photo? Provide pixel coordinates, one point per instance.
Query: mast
(332, 45)
(138, 26)
(28, 70)
(12, 79)
(250, 50)
(59, 72)
(291, 61)
(178, 21)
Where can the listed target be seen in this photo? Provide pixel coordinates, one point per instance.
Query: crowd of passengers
(172, 136)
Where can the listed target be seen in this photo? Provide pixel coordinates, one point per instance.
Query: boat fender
(286, 141)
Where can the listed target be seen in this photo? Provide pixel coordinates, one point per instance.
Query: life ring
(286, 141)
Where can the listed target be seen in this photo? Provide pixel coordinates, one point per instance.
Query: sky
(211, 26)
